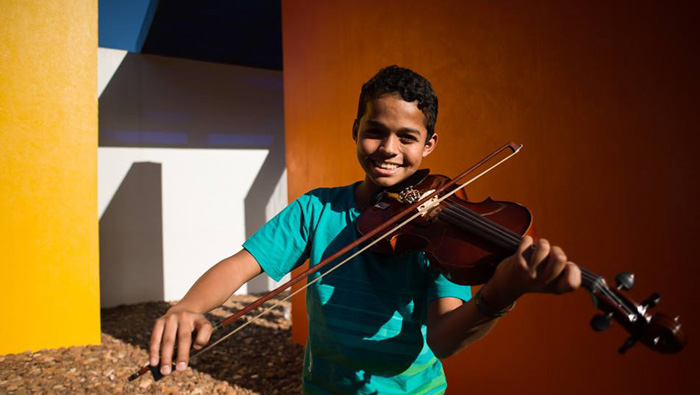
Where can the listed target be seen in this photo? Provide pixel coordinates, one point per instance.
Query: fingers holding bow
(172, 336)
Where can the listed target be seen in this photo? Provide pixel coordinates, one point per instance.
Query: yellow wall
(49, 271)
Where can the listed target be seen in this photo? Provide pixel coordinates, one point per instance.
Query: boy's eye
(373, 132)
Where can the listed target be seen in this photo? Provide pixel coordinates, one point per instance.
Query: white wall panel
(203, 194)
(108, 60)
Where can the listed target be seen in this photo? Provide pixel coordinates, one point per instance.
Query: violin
(465, 241)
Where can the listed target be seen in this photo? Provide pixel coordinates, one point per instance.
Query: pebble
(145, 383)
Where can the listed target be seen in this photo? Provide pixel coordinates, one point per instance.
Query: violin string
(510, 240)
(505, 239)
(487, 233)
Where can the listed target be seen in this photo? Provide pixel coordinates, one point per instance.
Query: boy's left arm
(453, 325)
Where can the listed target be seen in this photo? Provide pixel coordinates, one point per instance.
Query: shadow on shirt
(366, 317)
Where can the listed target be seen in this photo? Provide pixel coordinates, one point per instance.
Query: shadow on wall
(256, 201)
(159, 102)
(131, 239)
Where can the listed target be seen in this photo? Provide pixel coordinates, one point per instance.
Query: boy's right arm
(209, 292)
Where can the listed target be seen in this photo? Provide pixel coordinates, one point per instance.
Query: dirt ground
(260, 359)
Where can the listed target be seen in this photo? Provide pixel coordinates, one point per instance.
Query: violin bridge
(430, 204)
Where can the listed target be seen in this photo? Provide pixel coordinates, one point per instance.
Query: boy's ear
(355, 126)
(430, 145)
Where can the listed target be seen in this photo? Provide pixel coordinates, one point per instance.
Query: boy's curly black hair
(408, 84)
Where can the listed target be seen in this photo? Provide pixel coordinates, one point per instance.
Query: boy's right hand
(177, 325)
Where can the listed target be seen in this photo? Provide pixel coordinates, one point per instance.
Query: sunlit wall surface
(49, 285)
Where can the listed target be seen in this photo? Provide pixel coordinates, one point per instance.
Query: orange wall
(49, 272)
(604, 97)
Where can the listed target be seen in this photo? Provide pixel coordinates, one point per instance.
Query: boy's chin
(386, 182)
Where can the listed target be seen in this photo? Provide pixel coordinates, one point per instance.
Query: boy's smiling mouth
(385, 167)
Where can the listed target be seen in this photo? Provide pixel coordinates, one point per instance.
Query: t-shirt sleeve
(440, 287)
(281, 245)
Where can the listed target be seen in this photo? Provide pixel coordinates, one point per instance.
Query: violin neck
(591, 281)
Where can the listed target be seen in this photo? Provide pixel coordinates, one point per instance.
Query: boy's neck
(364, 192)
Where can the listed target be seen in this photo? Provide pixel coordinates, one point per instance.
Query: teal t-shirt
(367, 319)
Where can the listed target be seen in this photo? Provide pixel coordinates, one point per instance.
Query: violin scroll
(657, 331)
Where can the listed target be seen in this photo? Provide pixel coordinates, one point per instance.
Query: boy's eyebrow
(376, 124)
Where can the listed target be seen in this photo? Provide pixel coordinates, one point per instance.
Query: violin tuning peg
(629, 343)
(601, 322)
(651, 301)
(624, 280)
(677, 318)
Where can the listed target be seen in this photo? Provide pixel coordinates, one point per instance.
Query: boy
(379, 323)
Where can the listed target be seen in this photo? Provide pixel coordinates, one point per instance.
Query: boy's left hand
(544, 269)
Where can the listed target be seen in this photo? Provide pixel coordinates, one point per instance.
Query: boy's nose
(389, 145)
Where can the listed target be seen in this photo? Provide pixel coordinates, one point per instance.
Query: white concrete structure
(191, 162)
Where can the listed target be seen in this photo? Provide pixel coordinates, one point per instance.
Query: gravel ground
(260, 359)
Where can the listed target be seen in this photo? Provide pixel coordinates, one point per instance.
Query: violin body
(448, 238)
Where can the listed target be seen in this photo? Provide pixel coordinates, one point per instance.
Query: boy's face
(391, 140)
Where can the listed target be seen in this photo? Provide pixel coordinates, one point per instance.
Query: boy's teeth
(389, 166)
